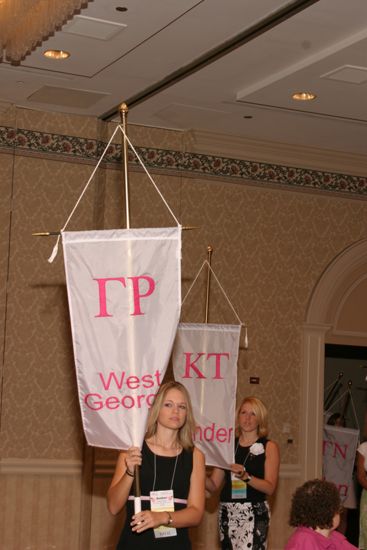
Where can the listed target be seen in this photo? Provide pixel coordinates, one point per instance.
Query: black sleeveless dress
(165, 466)
(255, 466)
(244, 523)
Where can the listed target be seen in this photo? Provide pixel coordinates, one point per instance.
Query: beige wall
(271, 244)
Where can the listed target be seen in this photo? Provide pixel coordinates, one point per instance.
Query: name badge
(239, 487)
(162, 501)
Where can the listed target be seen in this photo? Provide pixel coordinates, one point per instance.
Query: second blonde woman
(243, 510)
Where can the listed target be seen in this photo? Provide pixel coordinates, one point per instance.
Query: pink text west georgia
(97, 401)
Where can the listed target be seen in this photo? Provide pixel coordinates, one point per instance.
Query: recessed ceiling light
(121, 8)
(304, 96)
(247, 116)
(56, 54)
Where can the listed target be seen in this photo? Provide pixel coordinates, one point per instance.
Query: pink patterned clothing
(305, 538)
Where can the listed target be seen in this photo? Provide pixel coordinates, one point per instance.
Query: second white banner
(205, 362)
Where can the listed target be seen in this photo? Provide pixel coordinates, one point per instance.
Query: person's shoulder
(301, 539)
(266, 440)
(341, 542)
(271, 446)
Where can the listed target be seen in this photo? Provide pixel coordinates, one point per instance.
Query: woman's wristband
(131, 474)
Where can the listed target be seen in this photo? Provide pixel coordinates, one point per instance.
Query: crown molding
(273, 152)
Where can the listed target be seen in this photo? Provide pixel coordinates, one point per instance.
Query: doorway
(335, 316)
(346, 367)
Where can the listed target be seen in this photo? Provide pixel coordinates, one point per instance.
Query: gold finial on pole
(208, 277)
(123, 116)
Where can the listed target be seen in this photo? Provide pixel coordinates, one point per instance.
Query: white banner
(339, 453)
(124, 291)
(205, 361)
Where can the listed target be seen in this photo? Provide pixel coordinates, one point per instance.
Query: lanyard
(248, 454)
(155, 470)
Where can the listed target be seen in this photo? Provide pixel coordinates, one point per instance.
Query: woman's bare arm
(361, 472)
(215, 480)
(121, 483)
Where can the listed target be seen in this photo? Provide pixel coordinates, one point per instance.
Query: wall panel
(41, 510)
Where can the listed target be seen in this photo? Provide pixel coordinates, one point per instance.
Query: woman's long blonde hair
(185, 433)
(261, 414)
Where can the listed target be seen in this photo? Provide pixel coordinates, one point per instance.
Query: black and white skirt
(243, 526)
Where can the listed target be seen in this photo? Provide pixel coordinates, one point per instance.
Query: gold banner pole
(208, 277)
(123, 116)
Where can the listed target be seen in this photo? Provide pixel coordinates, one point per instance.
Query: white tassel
(54, 251)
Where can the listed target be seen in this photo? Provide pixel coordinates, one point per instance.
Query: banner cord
(119, 127)
(205, 262)
(336, 401)
(352, 402)
(329, 386)
(56, 247)
(149, 176)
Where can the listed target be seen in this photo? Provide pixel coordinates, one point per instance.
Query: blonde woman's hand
(238, 470)
(148, 520)
(132, 459)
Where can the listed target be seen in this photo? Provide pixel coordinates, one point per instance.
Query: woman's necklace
(155, 465)
(173, 448)
(248, 443)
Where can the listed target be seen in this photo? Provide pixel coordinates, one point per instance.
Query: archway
(334, 315)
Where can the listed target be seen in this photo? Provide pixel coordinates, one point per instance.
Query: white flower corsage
(257, 449)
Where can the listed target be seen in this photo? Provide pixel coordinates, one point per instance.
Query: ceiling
(224, 66)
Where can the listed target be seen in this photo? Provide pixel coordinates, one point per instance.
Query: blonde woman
(243, 510)
(172, 476)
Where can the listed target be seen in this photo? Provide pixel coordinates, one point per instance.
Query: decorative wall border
(183, 163)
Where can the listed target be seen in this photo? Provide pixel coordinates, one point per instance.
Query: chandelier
(24, 24)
